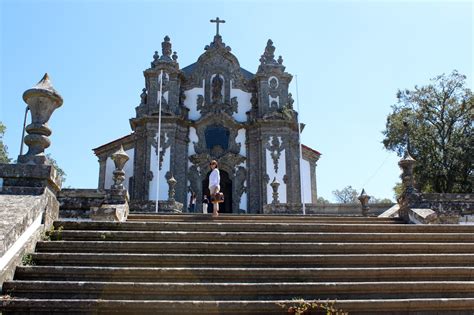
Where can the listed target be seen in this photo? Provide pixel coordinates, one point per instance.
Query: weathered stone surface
(183, 264)
(42, 100)
(423, 216)
(110, 213)
(102, 205)
(150, 206)
(326, 209)
(390, 213)
(18, 178)
(17, 213)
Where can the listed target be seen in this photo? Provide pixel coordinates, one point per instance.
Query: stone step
(247, 291)
(252, 260)
(450, 306)
(263, 227)
(259, 217)
(94, 235)
(281, 248)
(211, 274)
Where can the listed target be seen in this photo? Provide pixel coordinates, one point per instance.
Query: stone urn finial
(42, 100)
(408, 181)
(120, 158)
(171, 190)
(364, 202)
(275, 184)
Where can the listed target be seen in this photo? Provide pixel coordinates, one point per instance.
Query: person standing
(192, 202)
(214, 187)
(205, 203)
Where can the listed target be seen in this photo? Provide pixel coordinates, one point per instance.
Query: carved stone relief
(216, 108)
(275, 146)
(164, 145)
(240, 175)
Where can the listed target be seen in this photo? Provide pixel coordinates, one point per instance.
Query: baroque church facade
(215, 109)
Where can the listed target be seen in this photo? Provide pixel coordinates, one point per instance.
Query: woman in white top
(214, 181)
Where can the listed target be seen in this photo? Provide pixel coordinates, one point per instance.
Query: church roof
(189, 69)
(112, 143)
(312, 150)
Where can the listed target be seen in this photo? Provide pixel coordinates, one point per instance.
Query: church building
(215, 109)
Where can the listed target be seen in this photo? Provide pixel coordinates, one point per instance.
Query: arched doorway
(226, 188)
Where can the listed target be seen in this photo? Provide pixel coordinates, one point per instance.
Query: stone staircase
(192, 264)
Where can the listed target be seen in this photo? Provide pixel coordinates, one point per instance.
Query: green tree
(3, 148)
(379, 200)
(322, 200)
(346, 195)
(438, 117)
(60, 171)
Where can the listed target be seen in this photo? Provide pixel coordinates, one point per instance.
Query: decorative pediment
(217, 59)
(227, 162)
(224, 119)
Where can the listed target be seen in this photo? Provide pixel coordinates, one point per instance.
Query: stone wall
(342, 209)
(23, 218)
(93, 204)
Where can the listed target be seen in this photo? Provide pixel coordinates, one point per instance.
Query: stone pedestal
(29, 179)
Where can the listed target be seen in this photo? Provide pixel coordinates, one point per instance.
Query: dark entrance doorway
(226, 188)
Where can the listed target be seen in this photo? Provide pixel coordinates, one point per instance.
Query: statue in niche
(216, 85)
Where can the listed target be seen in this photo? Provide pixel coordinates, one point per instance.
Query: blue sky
(350, 58)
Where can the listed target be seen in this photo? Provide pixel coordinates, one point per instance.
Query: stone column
(312, 175)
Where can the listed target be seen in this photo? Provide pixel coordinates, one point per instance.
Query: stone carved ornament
(216, 108)
(164, 145)
(225, 121)
(222, 62)
(240, 176)
(275, 146)
(194, 177)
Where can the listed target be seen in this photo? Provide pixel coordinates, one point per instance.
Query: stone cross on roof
(217, 21)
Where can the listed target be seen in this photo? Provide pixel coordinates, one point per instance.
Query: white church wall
(241, 138)
(279, 176)
(306, 181)
(190, 101)
(162, 180)
(193, 137)
(276, 99)
(243, 201)
(244, 105)
(243, 198)
(128, 169)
